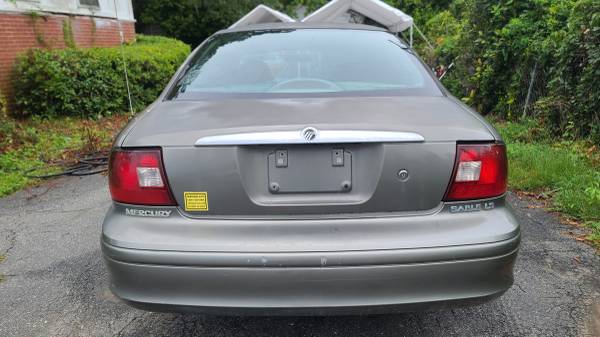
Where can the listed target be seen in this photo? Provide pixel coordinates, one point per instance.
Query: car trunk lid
(182, 123)
(338, 175)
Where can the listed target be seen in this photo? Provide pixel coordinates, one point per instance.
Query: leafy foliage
(499, 46)
(90, 82)
(574, 88)
(191, 21)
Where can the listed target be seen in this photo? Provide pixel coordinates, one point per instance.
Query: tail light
(138, 177)
(480, 172)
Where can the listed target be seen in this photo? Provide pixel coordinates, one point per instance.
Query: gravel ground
(55, 283)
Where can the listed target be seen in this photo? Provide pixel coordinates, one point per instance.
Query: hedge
(499, 46)
(90, 82)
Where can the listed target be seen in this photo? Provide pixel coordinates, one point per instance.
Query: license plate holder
(312, 169)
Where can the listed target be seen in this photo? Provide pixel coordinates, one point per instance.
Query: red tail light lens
(480, 172)
(138, 177)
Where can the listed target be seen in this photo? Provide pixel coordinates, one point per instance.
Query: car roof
(301, 25)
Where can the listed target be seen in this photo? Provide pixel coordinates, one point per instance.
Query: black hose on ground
(84, 166)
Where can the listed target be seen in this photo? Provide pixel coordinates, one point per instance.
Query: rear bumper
(341, 283)
(460, 252)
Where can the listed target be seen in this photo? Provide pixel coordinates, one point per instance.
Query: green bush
(497, 44)
(191, 21)
(574, 86)
(91, 82)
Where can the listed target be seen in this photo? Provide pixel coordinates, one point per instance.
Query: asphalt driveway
(55, 283)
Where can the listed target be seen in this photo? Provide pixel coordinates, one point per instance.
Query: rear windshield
(304, 61)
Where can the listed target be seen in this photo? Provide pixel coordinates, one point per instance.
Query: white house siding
(106, 8)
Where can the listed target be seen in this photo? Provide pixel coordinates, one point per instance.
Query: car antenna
(122, 38)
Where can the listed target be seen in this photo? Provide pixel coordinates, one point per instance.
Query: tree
(191, 21)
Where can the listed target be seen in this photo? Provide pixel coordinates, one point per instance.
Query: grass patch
(27, 144)
(567, 173)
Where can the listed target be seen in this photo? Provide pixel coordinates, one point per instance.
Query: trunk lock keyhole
(403, 175)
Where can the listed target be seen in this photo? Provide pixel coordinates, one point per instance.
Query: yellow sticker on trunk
(196, 201)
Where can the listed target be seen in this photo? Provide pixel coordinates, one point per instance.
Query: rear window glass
(304, 61)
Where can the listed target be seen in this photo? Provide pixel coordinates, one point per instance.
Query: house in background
(26, 24)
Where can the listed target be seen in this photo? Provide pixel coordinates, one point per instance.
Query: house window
(89, 3)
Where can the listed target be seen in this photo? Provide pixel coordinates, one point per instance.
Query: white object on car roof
(262, 14)
(338, 11)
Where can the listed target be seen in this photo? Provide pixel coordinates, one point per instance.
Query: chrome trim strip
(324, 137)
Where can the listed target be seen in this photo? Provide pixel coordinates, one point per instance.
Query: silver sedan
(308, 169)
